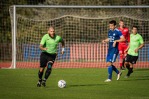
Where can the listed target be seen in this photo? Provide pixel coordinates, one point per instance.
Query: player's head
(134, 29)
(51, 31)
(121, 23)
(112, 24)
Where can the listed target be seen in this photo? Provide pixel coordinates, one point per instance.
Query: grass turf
(84, 83)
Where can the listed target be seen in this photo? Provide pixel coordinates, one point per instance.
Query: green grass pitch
(83, 83)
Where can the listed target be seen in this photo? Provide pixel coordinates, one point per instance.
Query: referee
(136, 43)
(48, 45)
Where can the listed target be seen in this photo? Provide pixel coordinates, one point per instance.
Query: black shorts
(131, 59)
(45, 58)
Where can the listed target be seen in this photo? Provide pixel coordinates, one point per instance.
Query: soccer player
(136, 43)
(123, 45)
(48, 45)
(114, 37)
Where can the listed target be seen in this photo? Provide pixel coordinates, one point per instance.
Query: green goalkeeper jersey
(50, 43)
(135, 41)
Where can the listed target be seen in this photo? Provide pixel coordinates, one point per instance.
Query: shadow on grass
(137, 78)
(83, 85)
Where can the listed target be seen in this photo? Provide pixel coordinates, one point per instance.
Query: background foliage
(5, 26)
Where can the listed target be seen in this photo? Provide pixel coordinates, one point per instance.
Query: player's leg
(47, 73)
(50, 63)
(111, 57)
(131, 63)
(121, 59)
(124, 54)
(109, 64)
(130, 70)
(113, 67)
(123, 66)
(109, 67)
(110, 70)
(127, 60)
(40, 73)
(126, 64)
(121, 54)
(43, 61)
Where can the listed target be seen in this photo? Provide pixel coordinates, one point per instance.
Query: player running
(114, 37)
(136, 43)
(48, 45)
(123, 45)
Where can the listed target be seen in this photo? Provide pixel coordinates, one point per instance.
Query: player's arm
(105, 40)
(120, 40)
(42, 48)
(127, 48)
(63, 46)
(128, 41)
(42, 42)
(63, 43)
(136, 50)
(128, 37)
(141, 44)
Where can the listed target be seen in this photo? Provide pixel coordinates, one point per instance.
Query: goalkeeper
(48, 45)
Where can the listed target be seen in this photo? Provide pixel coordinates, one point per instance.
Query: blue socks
(115, 69)
(110, 70)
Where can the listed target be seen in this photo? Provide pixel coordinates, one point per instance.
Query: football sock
(128, 66)
(44, 80)
(48, 71)
(115, 69)
(110, 72)
(129, 71)
(121, 65)
(40, 75)
(121, 59)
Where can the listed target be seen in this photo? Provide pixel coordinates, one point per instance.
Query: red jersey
(125, 32)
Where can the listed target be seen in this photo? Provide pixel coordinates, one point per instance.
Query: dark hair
(135, 27)
(122, 20)
(112, 22)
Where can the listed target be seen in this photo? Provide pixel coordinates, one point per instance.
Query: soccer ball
(61, 83)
